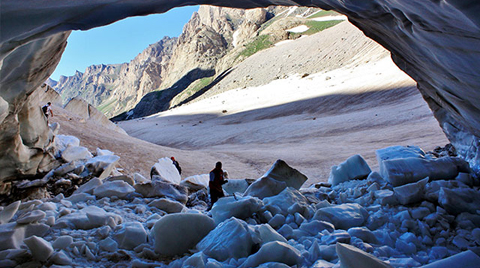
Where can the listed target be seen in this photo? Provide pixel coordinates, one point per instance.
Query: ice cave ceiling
(436, 42)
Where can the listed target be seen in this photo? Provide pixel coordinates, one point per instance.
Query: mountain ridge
(211, 43)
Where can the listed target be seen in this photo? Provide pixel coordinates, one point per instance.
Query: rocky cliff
(211, 42)
(112, 88)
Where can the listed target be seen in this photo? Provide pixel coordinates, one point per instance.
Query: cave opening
(312, 97)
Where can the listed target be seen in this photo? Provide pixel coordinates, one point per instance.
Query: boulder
(196, 182)
(167, 205)
(62, 242)
(352, 257)
(166, 170)
(119, 189)
(265, 187)
(230, 239)
(31, 216)
(131, 235)
(63, 141)
(40, 248)
(463, 259)
(72, 153)
(241, 208)
(176, 234)
(402, 165)
(102, 166)
(275, 251)
(124, 178)
(344, 216)
(411, 193)
(159, 188)
(11, 236)
(458, 200)
(281, 171)
(89, 186)
(284, 200)
(353, 168)
(9, 211)
(108, 244)
(235, 186)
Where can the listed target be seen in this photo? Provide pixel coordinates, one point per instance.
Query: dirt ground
(312, 120)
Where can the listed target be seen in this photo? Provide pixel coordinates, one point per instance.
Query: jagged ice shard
(437, 43)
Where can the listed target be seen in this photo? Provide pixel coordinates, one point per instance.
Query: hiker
(215, 184)
(177, 165)
(47, 109)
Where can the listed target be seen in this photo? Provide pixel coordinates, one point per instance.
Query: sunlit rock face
(436, 42)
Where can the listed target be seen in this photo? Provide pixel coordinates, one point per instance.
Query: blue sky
(121, 41)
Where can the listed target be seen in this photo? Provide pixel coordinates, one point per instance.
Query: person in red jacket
(215, 184)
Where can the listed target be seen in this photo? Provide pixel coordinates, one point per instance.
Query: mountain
(174, 71)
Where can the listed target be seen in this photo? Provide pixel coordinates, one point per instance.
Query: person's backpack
(45, 109)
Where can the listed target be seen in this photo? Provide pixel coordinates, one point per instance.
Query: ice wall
(436, 42)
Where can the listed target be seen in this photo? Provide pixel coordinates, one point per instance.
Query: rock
(108, 244)
(456, 201)
(344, 216)
(241, 208)
(61, 258)
(40, 248)
(100, 152)
(87, 218)
(175, 234)
(158, 188)
(274, 252)
(277, 221)
(62, 142)
(353, 168)
(124, 178)
(267, 234)
(411, 193)
(230, 239)
(119, 189)
(62, 242)
(463, 259)
(8, 212)
(166, 170)
(81, 197)
(386, 197)
(169, 206)
(352, 257)
(10, 236)
(281, 171)
(90, 186)
(235, 186)
(363, 233)
(196, 182)
(314, 227)
(284, 200)
(265, 187)
(31, 216)
(102, 166)
(138, 178)
(73, 153)
(402, 165)
(131, 235)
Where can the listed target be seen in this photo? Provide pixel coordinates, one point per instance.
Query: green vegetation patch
(315, 27)
(106, 107)
(196, 86)
(323, 13)
(260, 43)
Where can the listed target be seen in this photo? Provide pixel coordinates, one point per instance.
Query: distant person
(47, 109)
(217, 179)
(177, 165)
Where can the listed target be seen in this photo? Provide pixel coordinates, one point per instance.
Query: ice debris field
(419, 210)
